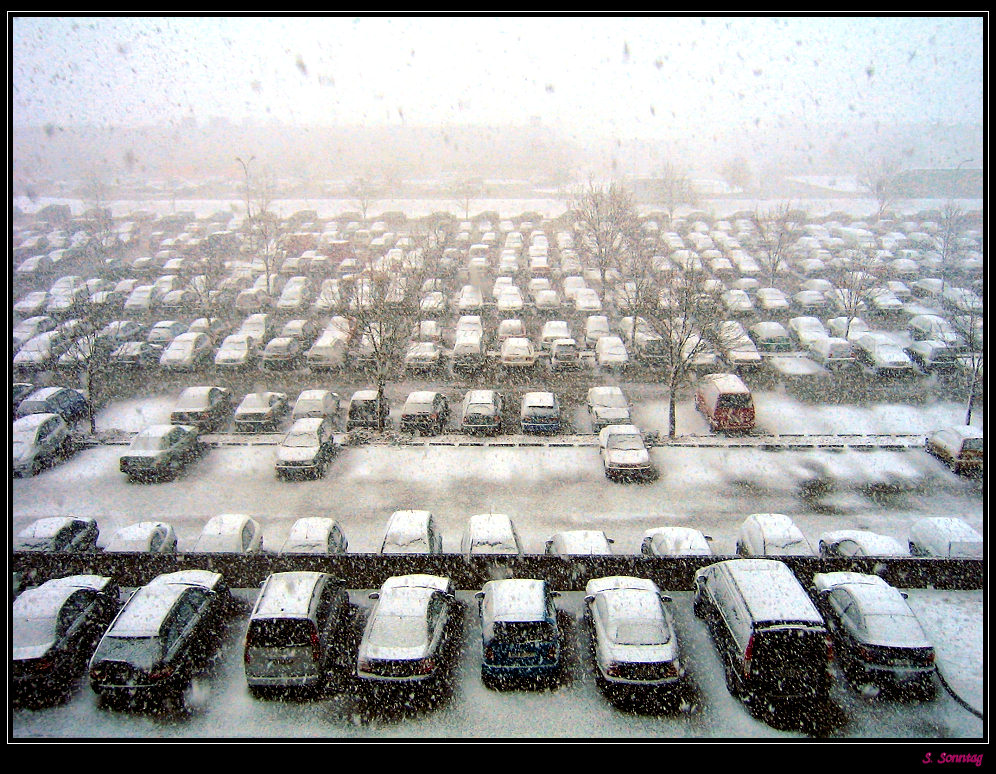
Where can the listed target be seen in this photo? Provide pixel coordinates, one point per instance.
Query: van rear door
(789, 661)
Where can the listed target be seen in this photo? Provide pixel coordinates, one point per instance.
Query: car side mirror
(609, 540)
(666, 598)
(589, 599)
(555, 594)
(374, 595)
(479, 596)
(708, 537)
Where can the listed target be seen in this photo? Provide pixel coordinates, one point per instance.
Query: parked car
(962, 448)
(932, 327)
(946, 537)
(877, 638)
(57, 534)
(726, 402)
(771, 639)
(238, 350)
(315, 535)
(18, 392)
(624, 453)
(579, 542)
(68, 403)
(832, 352)
(771, 534)
(425, 411)
(38, 440)
(607, 405)
(423, 356)
(412, 532)
(135, 354)
(165, 632)
(160, 449)
(481, 412)
(932, 356)
(409, 631)
(366, 411)
(230, 533)
(540, 413)
(858, 542)
(187, 352)
(517, 353)
(805, 329)
(318, 403)
(611, 354)
(55, 628)
(27, 329)
(260, 411)
(282, 352)
(490, 534)
(215, 328)
(165, 331)
(675, 541)
(520, 633)
(564, 355)
(152, 537)
(299, 629)
(881, 356)
(206, 407)
(41, 351)
(308, 447)
(633, 635)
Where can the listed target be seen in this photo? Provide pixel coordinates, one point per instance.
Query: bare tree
(672, 189)
(737, 173)
(263, 228)
(606, 222)
(466, 190)
(776, 231)
(881, 181)
(364, 192)
(951, 226)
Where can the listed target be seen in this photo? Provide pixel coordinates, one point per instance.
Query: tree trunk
(672, 420)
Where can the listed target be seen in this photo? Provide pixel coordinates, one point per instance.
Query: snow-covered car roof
(203, 578)
(286, 594)
(678, 541)
(539, 399)
(419, 581)
(582, 542)
(872, 543)
(615, 582)
(824, 581)
(45, 600)
(134, 535)
(517, 599)
(49, 526)
(607, 432)
(773, 592)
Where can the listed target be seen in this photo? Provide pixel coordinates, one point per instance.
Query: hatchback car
(408, 632)
(71, 534)
(146, 537)
(633, 636)
(204, 406)
(857, 542)
(425, 411)
(961, 448)
(299, 629)
(308, 447)
(481, 412)
(771, 534)
(261, 411)
(877, 637)
(238, 350)
(624, 453)
(68, 403)
(607, 405)
(517, 353)
(166, 630)
(675, 541)
(37, 440)
(164, 332)
(490, 534)
(412, 532)
(520, 632)
(423, 357)
(161, 450)
(54, 630)
(315, 535)
(539, 413)
(230, 533)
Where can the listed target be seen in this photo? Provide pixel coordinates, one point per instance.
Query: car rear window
(280, 632)
(734, 400)
(524, 631)
(142, 652)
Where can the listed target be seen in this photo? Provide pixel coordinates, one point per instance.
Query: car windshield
(147, 443)
(482, 410)
(301, 439)
(280, 632)
(142, 652)
(786, 547)
(398, 630)
(419, 407)
(183, 347)
(640, 632)
(735, 400)
(32, 632)
(236, 345)
(626, 442)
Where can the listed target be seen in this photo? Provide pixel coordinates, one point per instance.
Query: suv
(299, 625)
(771, 639)
(520, 634)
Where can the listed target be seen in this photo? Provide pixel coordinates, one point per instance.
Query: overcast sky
(625, 77)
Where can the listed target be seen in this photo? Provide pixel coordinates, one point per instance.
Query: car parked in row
(771, 534)
(147, 537)
(961, 448)
(165, 632)
(206, 407)
(308, 447)
(634, 640)
(261, 410)
(37, 440)
(412, 532)
(54, 630)
(859, 543)
(490, 534)
(68, 403)
(408, 632)
(315, 535)
(56, 534)
(481, 412)
(161, 449)
(624, 453)
(675, 541)
(425, 411)
(230, 533)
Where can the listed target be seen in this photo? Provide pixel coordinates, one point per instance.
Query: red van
(726, 402)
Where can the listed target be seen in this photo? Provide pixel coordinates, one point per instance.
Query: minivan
(726, 402)
(300, 623)
(772, 640)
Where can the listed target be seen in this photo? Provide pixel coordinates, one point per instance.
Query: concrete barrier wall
(369, 571)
